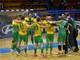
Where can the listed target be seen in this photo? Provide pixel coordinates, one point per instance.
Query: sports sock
(42, 50)
(46, 48)
(35, 50)
(25, 49)
(50, 47)
(59, 47)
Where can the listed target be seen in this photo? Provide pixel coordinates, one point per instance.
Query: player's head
(18, 17)
(67, 14)
(48, 18)
(22, 17)
(29, 15)
(59, 18)
(63, 16)
(12, 41)
(38, 19)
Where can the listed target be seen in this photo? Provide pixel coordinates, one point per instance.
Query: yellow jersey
(14, 23)
(14, 26)
(45, 22)
(49, 29)
(30, 20)
(22, 28)
(37, 30)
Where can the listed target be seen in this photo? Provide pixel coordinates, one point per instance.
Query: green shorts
(49, 37)
(23, 37)
(30, 32)
(15, 36)
(61, 37)
(38, 39)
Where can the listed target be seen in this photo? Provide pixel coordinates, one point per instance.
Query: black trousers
(75, 34)
(66, 43)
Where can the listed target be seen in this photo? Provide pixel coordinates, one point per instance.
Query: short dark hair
(67, 13)
(38, 19)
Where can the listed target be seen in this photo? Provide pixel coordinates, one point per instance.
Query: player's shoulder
(26, 18)
(14, 21)
(44, 21)
(24, 21)
(32, 18)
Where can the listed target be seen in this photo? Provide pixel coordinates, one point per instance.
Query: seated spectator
(78, 5)
(62, 6)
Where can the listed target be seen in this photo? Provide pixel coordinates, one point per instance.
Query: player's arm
(44, 26)
(13, 22)
(54, 23)
(26, 19)
(30, 26)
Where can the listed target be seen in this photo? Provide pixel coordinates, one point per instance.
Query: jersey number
(36, 27)
(21, 26)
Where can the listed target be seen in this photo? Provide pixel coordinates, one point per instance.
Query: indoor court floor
(5, 54)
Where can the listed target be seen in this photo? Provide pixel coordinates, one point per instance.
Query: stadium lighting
(12, 10)
(17, 10)
(31, 9)
(27, 10)
(2, 10)
(7, 10)
(22, 9)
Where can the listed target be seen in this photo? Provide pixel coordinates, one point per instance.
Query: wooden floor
(6, 43)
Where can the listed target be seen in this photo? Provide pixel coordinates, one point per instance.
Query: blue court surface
(30, 47)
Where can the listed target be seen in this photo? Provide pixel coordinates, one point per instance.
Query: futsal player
(38, 37)
(15, 33)
(29, 19)
(49, 34)
(23, 27)
(61, 36)
(67, 34)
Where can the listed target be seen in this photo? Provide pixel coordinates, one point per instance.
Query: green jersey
(62, 27)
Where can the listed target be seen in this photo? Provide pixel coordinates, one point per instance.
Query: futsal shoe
(12, 51)
(59, 54)
(43, 55)
(17, 53)
(76, 50)
(63, 52)
(46, 54)
(51, 53)
(66, 52)
(35, 55)
(25, 54)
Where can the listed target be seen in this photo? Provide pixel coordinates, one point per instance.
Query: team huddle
(25, 26)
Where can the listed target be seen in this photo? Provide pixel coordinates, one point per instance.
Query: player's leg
(42, 45)
(59, 47)
(18, 44)
(32, 33)
(35, 49)
(14, 42)
(51, 42)
(64, 44)
(75, 34)
(71, 41)
(25, 44)
(47, 43)
(59, 43)
(36, 45)
(12, 47)
(64, 47)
